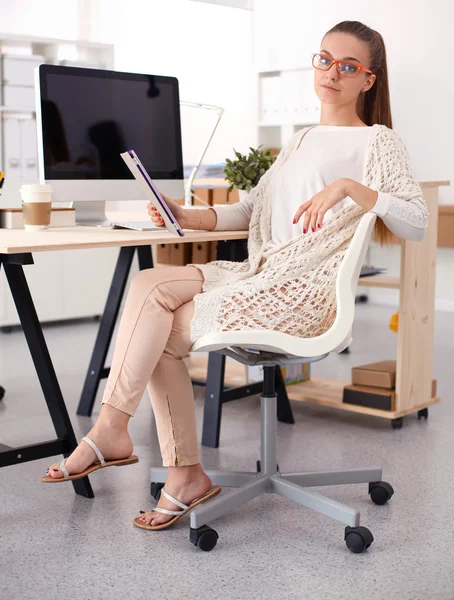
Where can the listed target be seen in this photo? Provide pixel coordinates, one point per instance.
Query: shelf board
(380, 281)
(318, 390)
(17, 110)
(329, 392)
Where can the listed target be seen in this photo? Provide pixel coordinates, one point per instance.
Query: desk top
(17, 241)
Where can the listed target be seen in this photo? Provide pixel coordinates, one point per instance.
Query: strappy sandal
(99, 464)
(215, 490)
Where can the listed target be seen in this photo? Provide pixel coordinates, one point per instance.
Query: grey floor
(54, 544)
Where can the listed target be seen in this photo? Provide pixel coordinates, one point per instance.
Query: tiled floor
(57, 545)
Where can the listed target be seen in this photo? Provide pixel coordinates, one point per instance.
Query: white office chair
(271, 348)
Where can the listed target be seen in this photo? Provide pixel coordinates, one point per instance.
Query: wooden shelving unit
(415, 335)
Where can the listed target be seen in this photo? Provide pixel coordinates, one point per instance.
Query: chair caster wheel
(204, 537)
(397, 423)
(380, 492)
(358, 539)
(423, 414)
(155, 490)
(2, 392)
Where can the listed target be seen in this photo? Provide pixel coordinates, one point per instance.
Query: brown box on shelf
(446, 226)
(220, 195)
(200, 252)
(380, 374)
(180, 254)
(205, 195)
(163, 254)
(372, 397)
(233, 196)
(213, 250)
(434, 388)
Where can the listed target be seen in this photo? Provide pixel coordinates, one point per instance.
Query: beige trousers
(152, 340)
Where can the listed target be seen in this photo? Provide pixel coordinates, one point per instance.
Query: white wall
(44, 18)
(208, 47)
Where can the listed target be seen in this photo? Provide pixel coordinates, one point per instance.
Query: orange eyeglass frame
(336, 62)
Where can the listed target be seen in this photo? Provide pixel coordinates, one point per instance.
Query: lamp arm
(188, 185)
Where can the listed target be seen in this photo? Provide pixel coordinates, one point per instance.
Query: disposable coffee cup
(36, 206)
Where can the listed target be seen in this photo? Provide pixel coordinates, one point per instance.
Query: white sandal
(99, 464)
(215, 490)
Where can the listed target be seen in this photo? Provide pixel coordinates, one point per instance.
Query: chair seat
(275, 342)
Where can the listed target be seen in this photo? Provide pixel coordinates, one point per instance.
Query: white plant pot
(243, 194)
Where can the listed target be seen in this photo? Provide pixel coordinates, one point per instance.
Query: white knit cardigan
(291, 287)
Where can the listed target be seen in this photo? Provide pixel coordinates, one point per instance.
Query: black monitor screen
(90, 116)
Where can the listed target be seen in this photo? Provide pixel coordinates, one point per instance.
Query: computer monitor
(87, 117)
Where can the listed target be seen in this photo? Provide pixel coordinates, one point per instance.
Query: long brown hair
(374, 105)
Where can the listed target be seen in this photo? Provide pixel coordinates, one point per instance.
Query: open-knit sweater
(291, 287)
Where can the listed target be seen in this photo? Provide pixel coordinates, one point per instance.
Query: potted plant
(244, 172)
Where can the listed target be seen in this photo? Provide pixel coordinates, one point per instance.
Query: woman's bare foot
(109, 433)
(183, 483)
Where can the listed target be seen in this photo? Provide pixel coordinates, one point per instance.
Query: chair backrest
(338, 335)
(347, 278)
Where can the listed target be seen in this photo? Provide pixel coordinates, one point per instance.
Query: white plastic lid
(33, 188)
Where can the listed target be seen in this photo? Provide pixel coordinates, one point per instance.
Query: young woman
(301, 217)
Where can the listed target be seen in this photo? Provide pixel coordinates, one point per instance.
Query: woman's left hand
(314, 209)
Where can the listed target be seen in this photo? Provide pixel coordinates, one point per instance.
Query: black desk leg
(43, 365)
(145, 257)
(97, 369)
(105, 331)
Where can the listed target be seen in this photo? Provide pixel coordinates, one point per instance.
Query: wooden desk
(16, 247)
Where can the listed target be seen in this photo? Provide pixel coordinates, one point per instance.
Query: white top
(326, 153)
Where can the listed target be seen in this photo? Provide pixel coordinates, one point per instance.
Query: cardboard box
(180, 254)
(446, 226)
(233, 196)
(163, 254)
(375, 397)
(380, 374)
(213, 250)
(205, 197)
(200, 252)
(220, 195)
(372, 397)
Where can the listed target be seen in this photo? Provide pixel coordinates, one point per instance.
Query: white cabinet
(43, 281)
(66, 284)
(11, 148)
(85, 280)
(18, 70)
(28, 150)
(20, 147)
(287, 102)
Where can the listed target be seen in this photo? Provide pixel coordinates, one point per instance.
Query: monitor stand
(91, 213)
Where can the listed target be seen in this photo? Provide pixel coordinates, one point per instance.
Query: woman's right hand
(177, 211)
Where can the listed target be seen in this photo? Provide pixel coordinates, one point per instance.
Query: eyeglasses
(324, 62)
